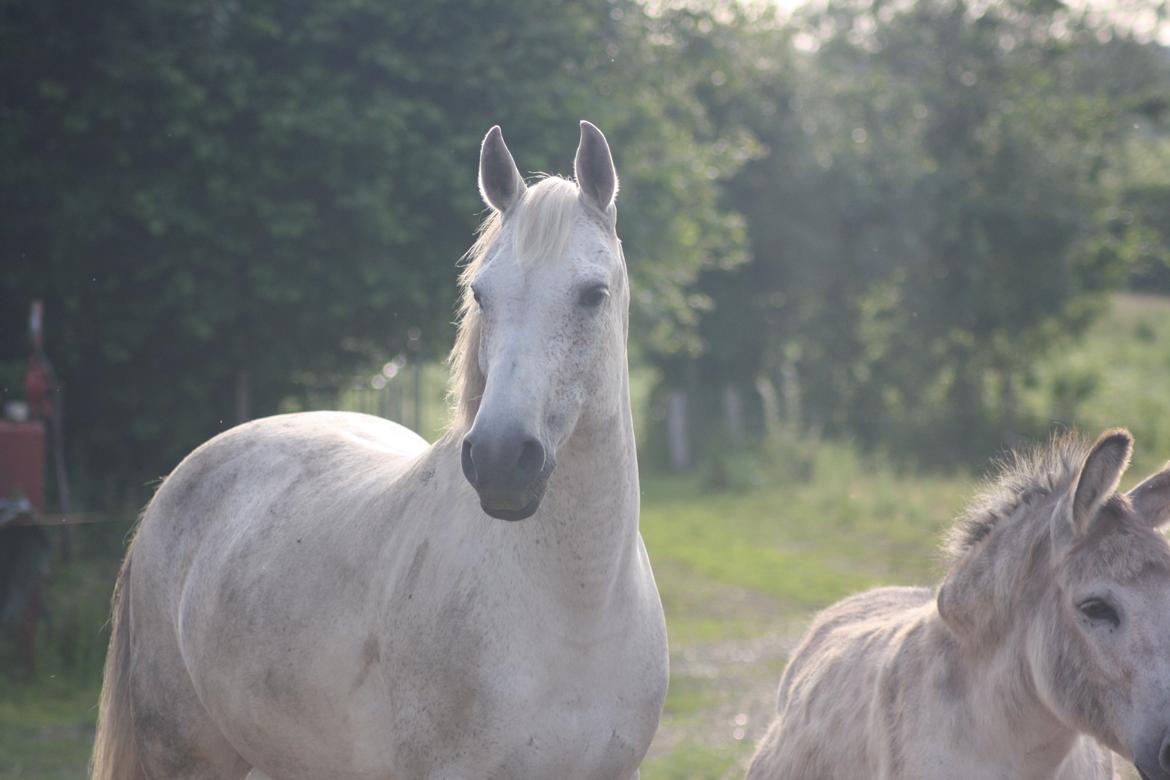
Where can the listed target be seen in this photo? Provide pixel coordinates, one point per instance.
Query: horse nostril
(468, 463)
(1164, 754)
(531, 459)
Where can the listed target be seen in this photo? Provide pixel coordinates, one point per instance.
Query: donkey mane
(1023, 479)
(541, 222)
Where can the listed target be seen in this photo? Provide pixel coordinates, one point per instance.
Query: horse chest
(530, 705)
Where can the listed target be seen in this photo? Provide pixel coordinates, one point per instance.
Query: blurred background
(872, 244)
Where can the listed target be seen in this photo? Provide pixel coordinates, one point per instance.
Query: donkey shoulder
(882, 605)
(845, 632)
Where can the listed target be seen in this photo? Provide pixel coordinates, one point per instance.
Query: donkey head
(1056, 567)
(547, 300)
(1103, 662)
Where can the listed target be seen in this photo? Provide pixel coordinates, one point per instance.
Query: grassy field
(1117, 374)
(740, 572)
(46, 731)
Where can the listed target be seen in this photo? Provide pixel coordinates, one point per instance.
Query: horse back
(240, 557)
(259, 478)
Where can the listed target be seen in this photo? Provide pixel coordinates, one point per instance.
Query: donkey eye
(1100, 611)
(592, 297)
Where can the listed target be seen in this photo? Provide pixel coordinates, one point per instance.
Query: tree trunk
(733, 414)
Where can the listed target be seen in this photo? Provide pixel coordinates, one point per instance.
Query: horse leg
(175, 736)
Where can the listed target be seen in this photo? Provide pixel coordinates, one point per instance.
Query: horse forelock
(540, 225)
(1024, 480)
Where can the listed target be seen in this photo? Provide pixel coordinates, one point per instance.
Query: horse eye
(1100, 611)
(475, 297)
(594, 296)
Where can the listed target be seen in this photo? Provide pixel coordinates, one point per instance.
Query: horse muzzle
(509, 471)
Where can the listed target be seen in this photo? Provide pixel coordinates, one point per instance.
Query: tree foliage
(888, 210)
(204, 192)
(925, 220)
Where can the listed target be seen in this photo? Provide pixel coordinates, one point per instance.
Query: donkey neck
(1008, 715)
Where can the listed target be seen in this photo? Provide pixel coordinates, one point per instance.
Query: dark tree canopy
(199, 189)
(888, 211)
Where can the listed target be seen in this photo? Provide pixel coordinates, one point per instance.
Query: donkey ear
(967, 599)
(1151, 499)
(957, 604)
(500, 182)
(1099, 476)
(594, 169)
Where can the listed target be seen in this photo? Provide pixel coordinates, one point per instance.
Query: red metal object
(39, 382)
(37, 390)
(22, 462)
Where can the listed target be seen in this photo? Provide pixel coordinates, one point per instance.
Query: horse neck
(581, 547)
(584, 538)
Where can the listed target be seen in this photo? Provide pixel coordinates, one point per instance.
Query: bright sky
(1141, 16)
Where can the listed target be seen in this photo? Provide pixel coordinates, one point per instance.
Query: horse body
(322, 594)
(1043, 649)
(386, 605)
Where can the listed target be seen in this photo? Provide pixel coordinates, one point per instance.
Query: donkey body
(325, 595)
(1047, 644)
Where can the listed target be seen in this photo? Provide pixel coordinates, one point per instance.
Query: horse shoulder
(270, 510)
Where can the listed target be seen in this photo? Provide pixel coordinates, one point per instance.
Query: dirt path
(724, 692)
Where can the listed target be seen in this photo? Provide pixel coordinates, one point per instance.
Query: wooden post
(678, 443)
(733, 414)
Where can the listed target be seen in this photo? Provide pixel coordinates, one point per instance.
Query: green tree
(924, 215)
(215, 197)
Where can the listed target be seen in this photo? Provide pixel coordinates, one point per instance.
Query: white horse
(324, 595)
(1050, 632)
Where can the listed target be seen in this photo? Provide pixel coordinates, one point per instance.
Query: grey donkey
(1046, 645)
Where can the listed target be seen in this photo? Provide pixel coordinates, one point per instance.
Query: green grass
(1118, 374)
(799, 544)
(740, 572)
(46, 730)
(693, 761)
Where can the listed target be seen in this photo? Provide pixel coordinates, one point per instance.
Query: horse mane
(1022, 479)
(541, 223)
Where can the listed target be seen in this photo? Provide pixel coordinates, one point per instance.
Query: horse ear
(500, 182)
(1100, 474)
(1151, 499)
(594, 169)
